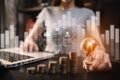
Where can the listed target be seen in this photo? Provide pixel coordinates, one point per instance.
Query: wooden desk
(20, 73)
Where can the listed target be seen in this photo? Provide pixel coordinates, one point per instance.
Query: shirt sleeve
(90, 13)
(41, 17)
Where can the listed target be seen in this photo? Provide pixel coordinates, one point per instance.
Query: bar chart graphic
(110, 37)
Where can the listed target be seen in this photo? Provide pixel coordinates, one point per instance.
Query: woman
(63, 24)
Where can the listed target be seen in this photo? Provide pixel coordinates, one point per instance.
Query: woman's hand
(29, 45)
(99, 62)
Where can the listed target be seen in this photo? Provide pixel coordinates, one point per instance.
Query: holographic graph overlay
(7, 39)
(103, 38)
(112, 42)
(68, 34)
(2, 40)
(107, 40)
(12, 36)
(117, 47)
(16, 41)
(98, 20)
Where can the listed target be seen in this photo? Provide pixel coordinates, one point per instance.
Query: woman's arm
(29, 44)
(36, 31)
(101, 59)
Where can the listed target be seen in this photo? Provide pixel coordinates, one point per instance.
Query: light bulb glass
(88, 45)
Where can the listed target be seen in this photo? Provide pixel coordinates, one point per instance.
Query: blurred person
(46, 21)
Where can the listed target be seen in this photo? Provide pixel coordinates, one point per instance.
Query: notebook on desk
(15, 57)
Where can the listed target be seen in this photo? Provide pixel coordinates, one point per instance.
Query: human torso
(64, 29)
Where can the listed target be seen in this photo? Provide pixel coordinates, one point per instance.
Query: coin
(41, 68)
(31, 70)
(73, 62)
(63, 62)
(52, 66)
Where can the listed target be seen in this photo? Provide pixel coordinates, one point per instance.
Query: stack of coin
(31, 70)
(73, 62)
(52, 67)
(41, 68)
(63, 62)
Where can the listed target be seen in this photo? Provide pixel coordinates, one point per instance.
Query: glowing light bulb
(88, 45)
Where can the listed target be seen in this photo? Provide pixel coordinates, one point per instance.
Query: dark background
(110, 12)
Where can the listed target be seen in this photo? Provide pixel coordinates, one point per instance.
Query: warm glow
(88, 45)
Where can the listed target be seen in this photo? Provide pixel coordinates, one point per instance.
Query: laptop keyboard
(12, 57)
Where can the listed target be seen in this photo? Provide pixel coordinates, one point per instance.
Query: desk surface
(21, 74)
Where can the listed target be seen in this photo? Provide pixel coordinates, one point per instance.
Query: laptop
(14, 57)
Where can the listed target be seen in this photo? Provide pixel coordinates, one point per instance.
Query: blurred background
(22, 13)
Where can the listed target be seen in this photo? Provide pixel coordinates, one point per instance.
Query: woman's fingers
(101, 65)
(36, 48)
(29, 47)
(108, 60)
(22, 46)
(106, 65)
(26, 47)
(95, 64)
(86, 64)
